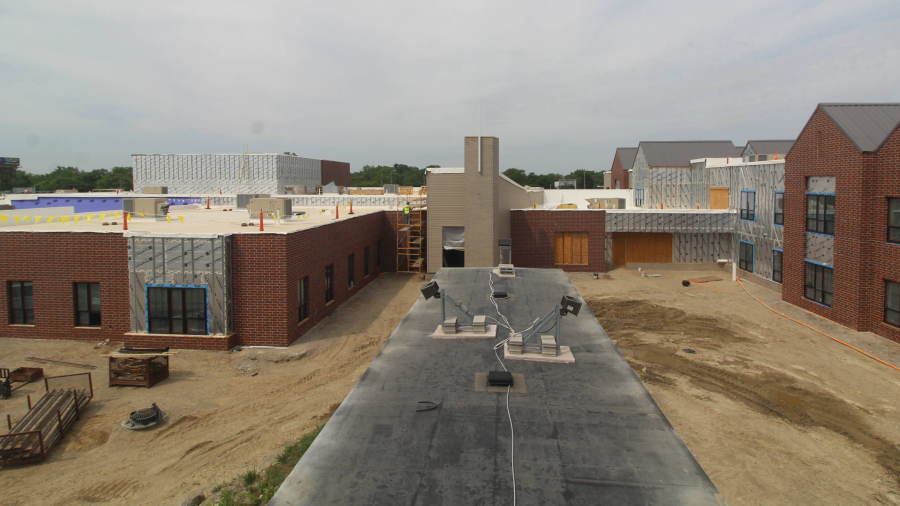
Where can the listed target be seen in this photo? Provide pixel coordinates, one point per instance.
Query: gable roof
(680, 153)
(868, 126)
(626, 156)
(771, 147)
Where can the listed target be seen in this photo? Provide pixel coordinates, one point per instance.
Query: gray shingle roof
(680, 153)
(626, 156)
(771, 147)
(868, 126)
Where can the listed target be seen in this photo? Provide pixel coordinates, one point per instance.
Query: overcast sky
(562, 84)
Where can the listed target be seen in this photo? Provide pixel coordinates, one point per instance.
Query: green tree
(66, 178)
(378, 175)
(517, 175)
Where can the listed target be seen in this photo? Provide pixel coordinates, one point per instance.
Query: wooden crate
(138, 370)
(26, 374)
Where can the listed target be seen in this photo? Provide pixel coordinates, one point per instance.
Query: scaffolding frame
(411, 236)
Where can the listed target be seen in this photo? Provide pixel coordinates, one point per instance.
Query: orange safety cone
(125, 221)
(351, 206)
(207, 201)
(336, 213)
(260, 220)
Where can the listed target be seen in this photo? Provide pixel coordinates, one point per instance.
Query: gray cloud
(561, 83)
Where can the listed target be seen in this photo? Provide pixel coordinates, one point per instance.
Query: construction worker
(406, 210)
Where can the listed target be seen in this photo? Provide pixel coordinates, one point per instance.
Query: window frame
(302, 299)
(890, 228)
(366, 260)
(817, 267)
(745, 214)
(775, 212)
(27, 314)
(780, 271)
(185, 291)
(351, 270)
(91, 311)
(329, 283)
(821, 213)
(890, 310)
(741, 262)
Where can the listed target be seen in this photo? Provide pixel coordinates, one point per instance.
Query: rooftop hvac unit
(391, 189)
(244, 198)
(269, 206)
(148, 207)
(156, 190)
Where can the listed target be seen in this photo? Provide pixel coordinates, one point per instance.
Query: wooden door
(571, 248)
(619, 245)
(649, 248)
(718, 198)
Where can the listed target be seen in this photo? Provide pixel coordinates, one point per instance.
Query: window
(329, 283)
(638, 197)
(762, 158)
(777, 265)
(21, 303)
(351, 267)
(748, 205)
(819, 283)
(894, 220)
(571, 248)
(779, 208)
(746, 256)
(617, 184)
(892, 303)
(303, 299)
(820, 214)
(87, 304)
(378, 255)
(366, 261)
(177, 310)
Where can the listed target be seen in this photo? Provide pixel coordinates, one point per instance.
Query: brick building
(622, 163)
(198, 280)
(842, 217)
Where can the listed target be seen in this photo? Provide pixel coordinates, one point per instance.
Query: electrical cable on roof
(512, 433)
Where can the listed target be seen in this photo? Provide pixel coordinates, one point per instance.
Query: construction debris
(48, 361)
(45, 424)
(137, 370)
(143, 418)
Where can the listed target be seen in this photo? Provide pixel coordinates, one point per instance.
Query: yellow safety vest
(405, 209)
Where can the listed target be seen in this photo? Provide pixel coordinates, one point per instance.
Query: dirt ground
(774, 412)
(222, 421)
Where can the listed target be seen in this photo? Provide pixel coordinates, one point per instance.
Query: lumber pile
(32, 437)
(378, 191)
(137, 370)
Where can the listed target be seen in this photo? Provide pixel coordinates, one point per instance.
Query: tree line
(583, 178)
(66, 178)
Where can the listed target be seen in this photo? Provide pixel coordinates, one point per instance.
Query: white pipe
(479, 139)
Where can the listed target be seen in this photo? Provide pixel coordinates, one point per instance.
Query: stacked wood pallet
(43, 426)
(378, 191)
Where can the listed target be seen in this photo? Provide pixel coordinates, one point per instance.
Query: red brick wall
(618, 172)
(534, 237)
(53, 262)
(339, 172)
(862, 258)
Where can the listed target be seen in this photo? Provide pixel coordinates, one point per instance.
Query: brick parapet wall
(339, 172)
(53, 262)
(534, 237)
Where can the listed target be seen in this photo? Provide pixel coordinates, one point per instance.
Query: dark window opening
(366, 261)
(777, 266)
(21, 303)
(87, 304)
(454, 258)
(892, 303)
(746, 256)
(351, 268)
(820, 214)
(748, 205)
(329, 283)
(819, 283)
(762, 158)
(175, 310)
(779, 208)
(894, 220)
(303, 298)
